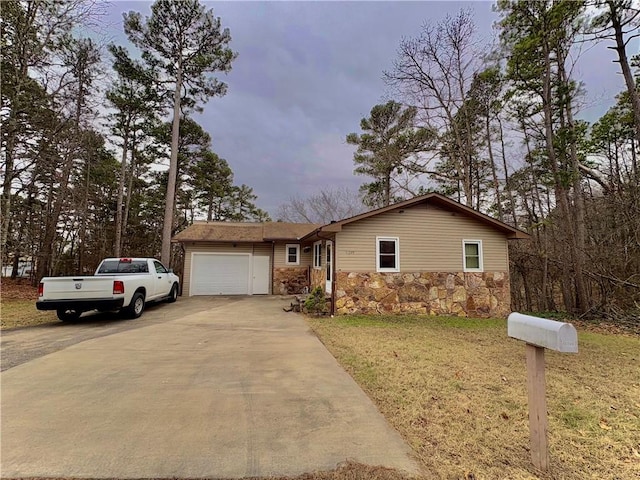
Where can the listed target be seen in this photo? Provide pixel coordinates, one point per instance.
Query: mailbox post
(540, 333)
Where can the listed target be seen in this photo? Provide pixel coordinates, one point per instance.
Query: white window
(292, 254)
(387, 254)
(472, 255)
(317, 255)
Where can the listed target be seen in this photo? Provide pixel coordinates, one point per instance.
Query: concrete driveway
(237, 389)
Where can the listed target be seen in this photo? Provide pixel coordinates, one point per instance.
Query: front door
(329, 265)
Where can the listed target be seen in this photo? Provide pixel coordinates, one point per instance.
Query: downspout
(273, 265)
(334, 279)
(184, 262)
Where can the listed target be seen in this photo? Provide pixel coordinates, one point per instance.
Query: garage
(229, 274)
(243, 258)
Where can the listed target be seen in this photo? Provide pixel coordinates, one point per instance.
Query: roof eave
(282, 239)
(518, 235)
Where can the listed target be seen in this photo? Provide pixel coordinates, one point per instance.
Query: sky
(307, 72)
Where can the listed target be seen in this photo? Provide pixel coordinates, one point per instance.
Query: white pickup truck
(125, 284)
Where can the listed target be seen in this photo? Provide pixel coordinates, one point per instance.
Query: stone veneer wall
(289, 280)
(485, 294)
(318, 278)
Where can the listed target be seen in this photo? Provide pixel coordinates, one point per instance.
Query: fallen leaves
(604, 425)
(19, 289)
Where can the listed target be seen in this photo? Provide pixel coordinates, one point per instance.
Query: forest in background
(87, 134)
(492, 126)
(495, 127)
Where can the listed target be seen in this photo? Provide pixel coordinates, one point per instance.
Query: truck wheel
(136, 307)
(68, 314)
(173, 295)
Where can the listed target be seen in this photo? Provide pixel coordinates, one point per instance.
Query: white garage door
(220, 274)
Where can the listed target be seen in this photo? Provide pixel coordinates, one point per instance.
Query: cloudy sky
(307, 72)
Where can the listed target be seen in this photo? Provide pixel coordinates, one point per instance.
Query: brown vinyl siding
(279, 261)
(257, 249)
(262, 249)
(430, 240)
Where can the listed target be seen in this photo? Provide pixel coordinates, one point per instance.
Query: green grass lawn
(22, 313)
(456, 390)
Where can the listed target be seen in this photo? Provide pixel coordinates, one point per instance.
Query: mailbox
(541, 332)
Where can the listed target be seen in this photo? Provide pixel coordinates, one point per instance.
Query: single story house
(429, 254)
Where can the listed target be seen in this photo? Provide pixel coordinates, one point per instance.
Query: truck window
(117, 267)
(159, 267)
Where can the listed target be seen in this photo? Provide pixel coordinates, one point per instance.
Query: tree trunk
(123, 174)
(496, 184)
(173, 173)
(578, 243)
(5, 207)
(507, 183)
(73, 146)
(559, 188)
(45, 258)
(11, 125)
(15, 264)
(127, 205)
(386, 200)
(82, 231)
(626, 69)
(210, 210)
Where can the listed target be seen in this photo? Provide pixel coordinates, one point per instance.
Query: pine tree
(390, 137)
(187, 44)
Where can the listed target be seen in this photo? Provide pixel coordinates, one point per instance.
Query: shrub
(315, 302)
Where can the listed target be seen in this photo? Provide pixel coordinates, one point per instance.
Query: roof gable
(434, 198)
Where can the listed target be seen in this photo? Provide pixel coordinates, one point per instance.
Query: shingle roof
(243, 232)
(268, 231)
(287, 231)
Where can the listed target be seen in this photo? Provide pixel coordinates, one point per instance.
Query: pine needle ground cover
(456, 390)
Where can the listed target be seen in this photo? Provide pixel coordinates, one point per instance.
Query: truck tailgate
(59, 288)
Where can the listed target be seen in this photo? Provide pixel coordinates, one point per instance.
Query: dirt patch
(456, 390)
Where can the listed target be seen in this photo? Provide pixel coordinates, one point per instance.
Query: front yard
(456, 390)
(18, 305)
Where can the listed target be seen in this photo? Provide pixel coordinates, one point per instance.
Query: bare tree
(322, 207)
(434, 71)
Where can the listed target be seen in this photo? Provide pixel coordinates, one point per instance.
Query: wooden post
(537, 406)
(540, 333)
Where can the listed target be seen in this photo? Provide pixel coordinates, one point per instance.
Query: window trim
(317, 255)
(480, 268)
(397, 254)
(286, 253)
